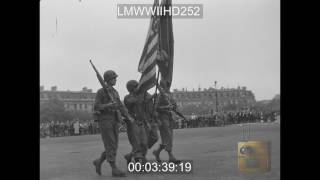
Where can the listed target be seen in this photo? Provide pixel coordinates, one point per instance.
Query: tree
(81, 115)
(53, 110)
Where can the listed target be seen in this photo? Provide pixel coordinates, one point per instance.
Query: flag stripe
(153, 42)
(144, 52)
(147, 63)
(151, 58)
(150, 67)
(151, 34)
(148, 84)
(147, 54)
(147, 75)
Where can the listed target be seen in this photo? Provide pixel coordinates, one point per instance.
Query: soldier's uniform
(136, 130)
(166, 127)
(109, 118)
(139, 134)
(166, 119)
(150, 115)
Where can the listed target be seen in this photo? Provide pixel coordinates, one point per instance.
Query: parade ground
(212, 149)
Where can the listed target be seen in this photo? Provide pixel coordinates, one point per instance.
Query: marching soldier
(165, 106)
(142, 133)
(109, 118)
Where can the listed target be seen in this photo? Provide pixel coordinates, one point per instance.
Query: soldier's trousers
(152, 134)
(166, 131)
(138, 139)
(109, 129)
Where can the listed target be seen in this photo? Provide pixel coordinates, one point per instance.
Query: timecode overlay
(164, 167)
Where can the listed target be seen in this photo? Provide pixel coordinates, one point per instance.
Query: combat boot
(144, 160)
(172, 158)
(97, 163)
(128, 158)
(156, 153)
(115, 171)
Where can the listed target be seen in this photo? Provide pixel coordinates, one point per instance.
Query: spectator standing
(76, 127)
(90, 127)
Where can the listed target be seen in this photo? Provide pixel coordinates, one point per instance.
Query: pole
(159, 53)
(215, 86)
(154, 102)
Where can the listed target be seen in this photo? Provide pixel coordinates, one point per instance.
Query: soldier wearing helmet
(141, 134)
(164, 107)
(108, 121)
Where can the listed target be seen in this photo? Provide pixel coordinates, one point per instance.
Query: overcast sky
(236, 43)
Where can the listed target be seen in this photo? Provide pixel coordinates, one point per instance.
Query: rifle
(174, 109)
(105, 88)
(179, 113)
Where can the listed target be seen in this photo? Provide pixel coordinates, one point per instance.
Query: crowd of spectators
(74, 128)
(226, 118)
(68, 128)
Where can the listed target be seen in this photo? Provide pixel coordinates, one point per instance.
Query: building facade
(206, 100)
(73, 100)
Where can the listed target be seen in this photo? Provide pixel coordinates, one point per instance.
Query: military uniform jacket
(108, 113)
(164, 99)
(139, 106)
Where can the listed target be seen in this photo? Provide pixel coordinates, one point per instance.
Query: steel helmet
(108, 75)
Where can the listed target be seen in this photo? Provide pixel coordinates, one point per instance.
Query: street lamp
(215, 86)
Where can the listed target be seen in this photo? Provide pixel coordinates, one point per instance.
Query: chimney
(84, 89)
(90, 90)
(41, 88)
(54, 88)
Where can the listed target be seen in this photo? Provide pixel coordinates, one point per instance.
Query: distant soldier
(109, 119)
(165, 105)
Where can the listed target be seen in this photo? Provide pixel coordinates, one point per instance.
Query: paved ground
(213, 151)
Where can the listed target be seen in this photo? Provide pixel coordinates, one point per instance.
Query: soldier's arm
(128, 103)
(122, 108)
(159, 106)
(98, 105)
(173, 101)
(130, 100)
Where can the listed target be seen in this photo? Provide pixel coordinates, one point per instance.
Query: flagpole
(159, 53)
(155, 92)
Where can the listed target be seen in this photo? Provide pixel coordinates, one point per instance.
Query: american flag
(147, 63)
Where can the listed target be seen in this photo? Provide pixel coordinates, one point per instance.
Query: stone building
(205, 99)
(73, 100)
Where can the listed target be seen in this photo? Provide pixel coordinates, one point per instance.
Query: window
(75, 106)
(85, 106)
(80, 106)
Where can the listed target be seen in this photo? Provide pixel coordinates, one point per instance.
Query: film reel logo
(254, 156)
